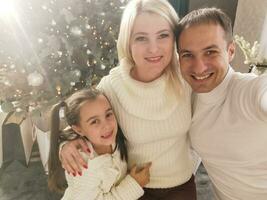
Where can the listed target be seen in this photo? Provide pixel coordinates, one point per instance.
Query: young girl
(89, 115)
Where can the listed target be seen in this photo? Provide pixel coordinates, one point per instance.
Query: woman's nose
(153, 46)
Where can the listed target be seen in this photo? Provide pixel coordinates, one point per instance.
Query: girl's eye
(94, 122)
(110, 114)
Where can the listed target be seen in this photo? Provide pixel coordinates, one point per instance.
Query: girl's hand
(142, 175)
(71, 158)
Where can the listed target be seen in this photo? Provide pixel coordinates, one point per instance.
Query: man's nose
(199, 65)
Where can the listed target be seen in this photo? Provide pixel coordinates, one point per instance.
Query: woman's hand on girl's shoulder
(71, 159)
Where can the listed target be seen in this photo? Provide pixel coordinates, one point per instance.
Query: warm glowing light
(6, 7)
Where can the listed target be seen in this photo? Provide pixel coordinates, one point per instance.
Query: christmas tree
(49, 49)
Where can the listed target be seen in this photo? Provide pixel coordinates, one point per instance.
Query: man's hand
(71, 158)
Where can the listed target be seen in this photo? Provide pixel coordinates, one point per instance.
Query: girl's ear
(77, 129)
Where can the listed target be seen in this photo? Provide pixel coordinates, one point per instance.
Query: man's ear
(231, 51)
(77, 129)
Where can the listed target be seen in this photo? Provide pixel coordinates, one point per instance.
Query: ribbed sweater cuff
(129, 189)
(264, 104)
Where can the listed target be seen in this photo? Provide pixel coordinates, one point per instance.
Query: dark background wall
(228, 6)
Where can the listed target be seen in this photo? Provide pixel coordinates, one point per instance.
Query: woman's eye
(140, 38)
(163, 35)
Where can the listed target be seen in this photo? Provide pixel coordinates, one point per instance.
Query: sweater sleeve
(250, 96)
(99, 183)
(104, 82)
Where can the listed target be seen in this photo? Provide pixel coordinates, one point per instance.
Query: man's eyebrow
(184, 51)
(211, 47)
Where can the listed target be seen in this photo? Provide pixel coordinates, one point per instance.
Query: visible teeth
(201, 77)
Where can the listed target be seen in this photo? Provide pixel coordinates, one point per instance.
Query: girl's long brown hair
(56, 177)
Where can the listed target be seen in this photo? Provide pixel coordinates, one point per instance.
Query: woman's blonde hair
(159, 7)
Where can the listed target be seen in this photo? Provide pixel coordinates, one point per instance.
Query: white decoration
(62, 113)
(40, 40)
(72, 83)
(53, 23)
(59, 53)
(77, 72)
(88, 52)
(44, 7)
(76, 31)
(103, 67)
(7, 83)
(28, 137)
(43, 140)
(18, 110)
(35, 79)
(87, 26)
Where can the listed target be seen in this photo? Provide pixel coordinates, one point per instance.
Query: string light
(58, 88)
(58, 36)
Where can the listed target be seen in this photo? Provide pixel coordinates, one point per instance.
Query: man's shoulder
(239, 76)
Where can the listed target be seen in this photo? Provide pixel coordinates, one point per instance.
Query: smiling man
(229, 127)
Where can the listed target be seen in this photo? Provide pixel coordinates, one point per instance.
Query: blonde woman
(150, 100)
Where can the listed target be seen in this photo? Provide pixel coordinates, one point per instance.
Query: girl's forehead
(99, 104)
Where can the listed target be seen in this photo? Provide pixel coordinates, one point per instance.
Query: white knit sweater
(105, 179)
(154, 123)
(229, 132)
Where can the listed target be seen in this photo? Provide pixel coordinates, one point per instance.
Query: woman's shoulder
(106, 81)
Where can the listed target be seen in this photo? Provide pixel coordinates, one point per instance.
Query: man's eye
(211, 52)
(187, 55)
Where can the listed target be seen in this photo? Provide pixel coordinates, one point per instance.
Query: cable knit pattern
(105, 179)
(130, 91)
(154, 123)
(229, 132)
